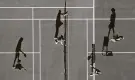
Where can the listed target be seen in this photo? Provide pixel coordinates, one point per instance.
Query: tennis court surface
(87, 23)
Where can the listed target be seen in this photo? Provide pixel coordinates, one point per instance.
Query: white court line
(51, 19)
(87, 47)
(46, 7)
(115, 52)
(14, 19)
(40, 48)
(15, 52)
(39, 35)
(33, 41)
(80, 19)
(116, 18)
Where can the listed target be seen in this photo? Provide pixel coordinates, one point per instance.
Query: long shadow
(18, 50)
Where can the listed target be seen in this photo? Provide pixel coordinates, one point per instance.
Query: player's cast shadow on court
(17, 62)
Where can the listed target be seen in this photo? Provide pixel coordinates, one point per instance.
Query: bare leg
(113, 31)
(56, 33)
(109, 32)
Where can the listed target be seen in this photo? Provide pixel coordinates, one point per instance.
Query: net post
(65, 46)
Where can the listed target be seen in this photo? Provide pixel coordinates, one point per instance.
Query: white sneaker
(121, 38)
(61, 42)
(93, 74)
(96, 74)
(56, 40)
(90, 65)
(112, 40)
(13, 67)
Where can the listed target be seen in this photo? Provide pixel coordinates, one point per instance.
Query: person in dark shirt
(112, 22)
(58, 24)
(18, 49)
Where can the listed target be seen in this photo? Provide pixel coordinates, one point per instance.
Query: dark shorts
(111, 25)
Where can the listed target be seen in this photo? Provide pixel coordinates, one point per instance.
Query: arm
(64, 13)
(23, 53)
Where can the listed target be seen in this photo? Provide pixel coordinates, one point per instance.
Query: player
(18, 49)
(58, 24)
(19, 66)
(116, 38)
(105, 47)
(97, 72)
(92, 58)
(112, 22)
(61, 39)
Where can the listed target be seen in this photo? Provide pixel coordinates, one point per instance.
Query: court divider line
(80, 19)
(33, 42)
(40, 50)
(15, 52)
(116, 18)
(44, 7)
(49, 19)
(87, 47)
(115, 52)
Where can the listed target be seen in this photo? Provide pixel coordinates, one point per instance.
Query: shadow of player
(105, 47)
(18, 50)
(112, 22)
(19, 66)
(58, 24)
